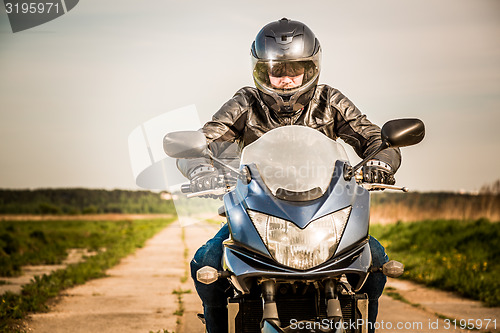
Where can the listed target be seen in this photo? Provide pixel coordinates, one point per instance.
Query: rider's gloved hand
(376, 171)
(203, 178)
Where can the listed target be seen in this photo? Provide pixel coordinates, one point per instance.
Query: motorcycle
(298, 217)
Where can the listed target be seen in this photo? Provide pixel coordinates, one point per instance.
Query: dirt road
(138, 296)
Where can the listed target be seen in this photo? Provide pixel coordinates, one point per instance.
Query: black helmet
(286, 60)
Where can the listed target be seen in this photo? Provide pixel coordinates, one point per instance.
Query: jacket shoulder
(332, 95)
(241, 102)
(247, 94)
(326, 89)
(337, 100)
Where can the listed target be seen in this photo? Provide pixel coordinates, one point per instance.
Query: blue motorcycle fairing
(301, 213)
(268, 327)
(256, 196)
(245, 266)
(359, 221)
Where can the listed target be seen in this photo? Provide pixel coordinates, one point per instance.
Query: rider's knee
(197, 262)
(379, 257)
(194, 268)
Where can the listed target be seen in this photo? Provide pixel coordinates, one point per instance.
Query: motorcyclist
(286, 58)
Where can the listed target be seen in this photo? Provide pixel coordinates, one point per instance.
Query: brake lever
(215, 191)
(379, 187)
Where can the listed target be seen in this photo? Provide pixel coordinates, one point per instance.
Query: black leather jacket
(245, 118)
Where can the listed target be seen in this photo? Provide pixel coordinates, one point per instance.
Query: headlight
(301, 248)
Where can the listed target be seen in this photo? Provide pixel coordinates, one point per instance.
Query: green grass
(47, 242)
(460, 256)
(118, 238)
(179, 312)
(185, 277)
(391, 292)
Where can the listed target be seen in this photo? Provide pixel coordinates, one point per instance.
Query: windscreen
(295, 159)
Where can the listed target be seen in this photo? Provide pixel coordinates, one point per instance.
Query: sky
(73, 89)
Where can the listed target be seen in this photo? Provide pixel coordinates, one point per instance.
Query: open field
(455, 255)
(148, 292)
(86, 217)
(386, 207)
(75, 201)
(47, 242)
(389, 207)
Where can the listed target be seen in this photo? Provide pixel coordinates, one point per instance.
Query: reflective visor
(280, 69)
(285, 77)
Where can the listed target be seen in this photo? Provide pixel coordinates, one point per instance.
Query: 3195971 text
(32, 8)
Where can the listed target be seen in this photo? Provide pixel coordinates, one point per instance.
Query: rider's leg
(212, 295)
(374, 285)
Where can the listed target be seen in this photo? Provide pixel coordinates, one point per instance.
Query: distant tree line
(415, 206)
(385, 206)
(493, 188)
(75, 201)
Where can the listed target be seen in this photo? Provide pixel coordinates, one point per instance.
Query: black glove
(378, 172)
(205, 177)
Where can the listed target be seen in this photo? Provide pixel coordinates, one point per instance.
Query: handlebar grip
(186, 188)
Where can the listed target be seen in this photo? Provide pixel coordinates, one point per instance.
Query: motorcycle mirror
(395, 133)
(403, 132)
(185, 144)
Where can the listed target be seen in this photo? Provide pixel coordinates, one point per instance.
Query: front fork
(269, 302)
(270, 318)
(333, 310)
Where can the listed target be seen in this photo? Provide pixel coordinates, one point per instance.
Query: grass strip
(180, 304)
(394, 294)
(454, 255)
(185, 277)
(34, 296)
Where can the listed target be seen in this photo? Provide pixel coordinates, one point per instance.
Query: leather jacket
(245, 118)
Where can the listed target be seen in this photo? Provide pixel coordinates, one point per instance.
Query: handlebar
(186, 188)
(379, 187)
(215, 191)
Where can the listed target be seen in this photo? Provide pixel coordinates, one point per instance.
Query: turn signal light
(207, 275)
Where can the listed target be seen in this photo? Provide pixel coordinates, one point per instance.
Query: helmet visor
(285, 77)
